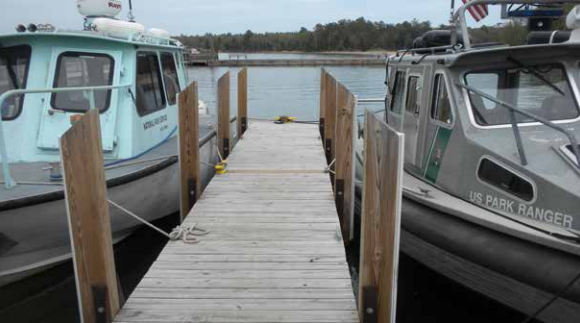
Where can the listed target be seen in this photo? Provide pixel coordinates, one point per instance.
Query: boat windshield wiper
(535, 73)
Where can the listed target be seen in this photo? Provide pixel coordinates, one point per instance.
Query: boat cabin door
(74, 68)
(411, 118)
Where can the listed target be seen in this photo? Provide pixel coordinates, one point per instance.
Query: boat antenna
(452, 11)
(452, 24)
(130, 14)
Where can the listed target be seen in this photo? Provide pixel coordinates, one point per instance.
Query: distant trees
(359, 34)
(347, 35)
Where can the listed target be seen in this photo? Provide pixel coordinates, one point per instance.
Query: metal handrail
(513, 110)
(9, 182)
(373, 100)
(459, 15)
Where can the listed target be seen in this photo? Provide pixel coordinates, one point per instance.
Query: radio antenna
(452, 11)
(130, 14)
(452, 24)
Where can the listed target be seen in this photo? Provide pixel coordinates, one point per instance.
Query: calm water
(293, 91)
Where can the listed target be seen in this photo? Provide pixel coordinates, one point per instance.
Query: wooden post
(189, 148)
(345, 164)
(381, 219)
(224, 134)
(322, 103)
(242, 102)
(330, 117)
(89, 221)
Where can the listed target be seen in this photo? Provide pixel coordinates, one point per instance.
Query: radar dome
(99, 8)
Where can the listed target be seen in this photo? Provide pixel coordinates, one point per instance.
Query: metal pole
(92, 104)
(130, 15)
(9, 182)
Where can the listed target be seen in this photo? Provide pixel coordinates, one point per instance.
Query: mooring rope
(185, 234)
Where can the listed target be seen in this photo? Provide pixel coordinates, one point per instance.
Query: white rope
(207, 164)
(219, 154)
(187, 235)
(139, 162)
(331, 163)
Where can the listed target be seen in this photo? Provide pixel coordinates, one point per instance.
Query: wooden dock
(274, 252)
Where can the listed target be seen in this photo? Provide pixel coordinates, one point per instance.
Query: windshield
(542, 90)
(14, 63)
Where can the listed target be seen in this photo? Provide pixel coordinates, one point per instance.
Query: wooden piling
(345, 164)
(223, 99)
(330, 117)
(322, 113)
(242, 102)
(189, 148)
(89, 220)
(381, 220)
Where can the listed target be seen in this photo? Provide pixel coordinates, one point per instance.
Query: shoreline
(298, 62)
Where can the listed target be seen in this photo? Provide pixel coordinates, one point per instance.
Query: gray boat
(492, 162)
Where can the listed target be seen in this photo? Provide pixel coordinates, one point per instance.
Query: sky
(235, 16)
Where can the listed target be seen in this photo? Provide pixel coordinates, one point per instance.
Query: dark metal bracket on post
(370, 302)
(191, 187)
(321, 127)
(244, 125)
(339, 189)
(226, 142)
(100, 303)
(328, 149)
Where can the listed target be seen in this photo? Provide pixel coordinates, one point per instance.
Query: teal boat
(48, 79)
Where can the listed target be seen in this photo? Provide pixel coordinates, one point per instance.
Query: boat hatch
(74, 68)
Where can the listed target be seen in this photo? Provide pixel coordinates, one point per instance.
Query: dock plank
(274, 252)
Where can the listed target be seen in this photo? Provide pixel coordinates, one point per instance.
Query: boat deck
(274, 252)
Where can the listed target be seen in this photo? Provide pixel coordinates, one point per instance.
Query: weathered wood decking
(274, 252)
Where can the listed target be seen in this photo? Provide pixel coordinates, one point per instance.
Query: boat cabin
(494, 125)
(137, 109)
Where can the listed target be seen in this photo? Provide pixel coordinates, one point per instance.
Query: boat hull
(36, 233)
(518, 273)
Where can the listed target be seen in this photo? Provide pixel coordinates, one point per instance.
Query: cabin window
(150, 96)
(14, 63)
(399, 87)
(413, 99)
(505, 180)
(170, 77)
(75, 69)
(441, 105)
(543, 90)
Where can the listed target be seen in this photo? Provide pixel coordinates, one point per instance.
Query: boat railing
(8, 180)
(512, 113)
(459, 16)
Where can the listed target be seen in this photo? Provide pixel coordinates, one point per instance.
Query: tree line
(344, 35)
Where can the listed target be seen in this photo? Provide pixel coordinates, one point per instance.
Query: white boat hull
(37, 236)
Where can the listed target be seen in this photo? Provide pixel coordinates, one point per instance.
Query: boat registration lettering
(155, 122)
(535, 213)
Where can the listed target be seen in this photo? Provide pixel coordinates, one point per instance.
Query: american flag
(478, 12)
